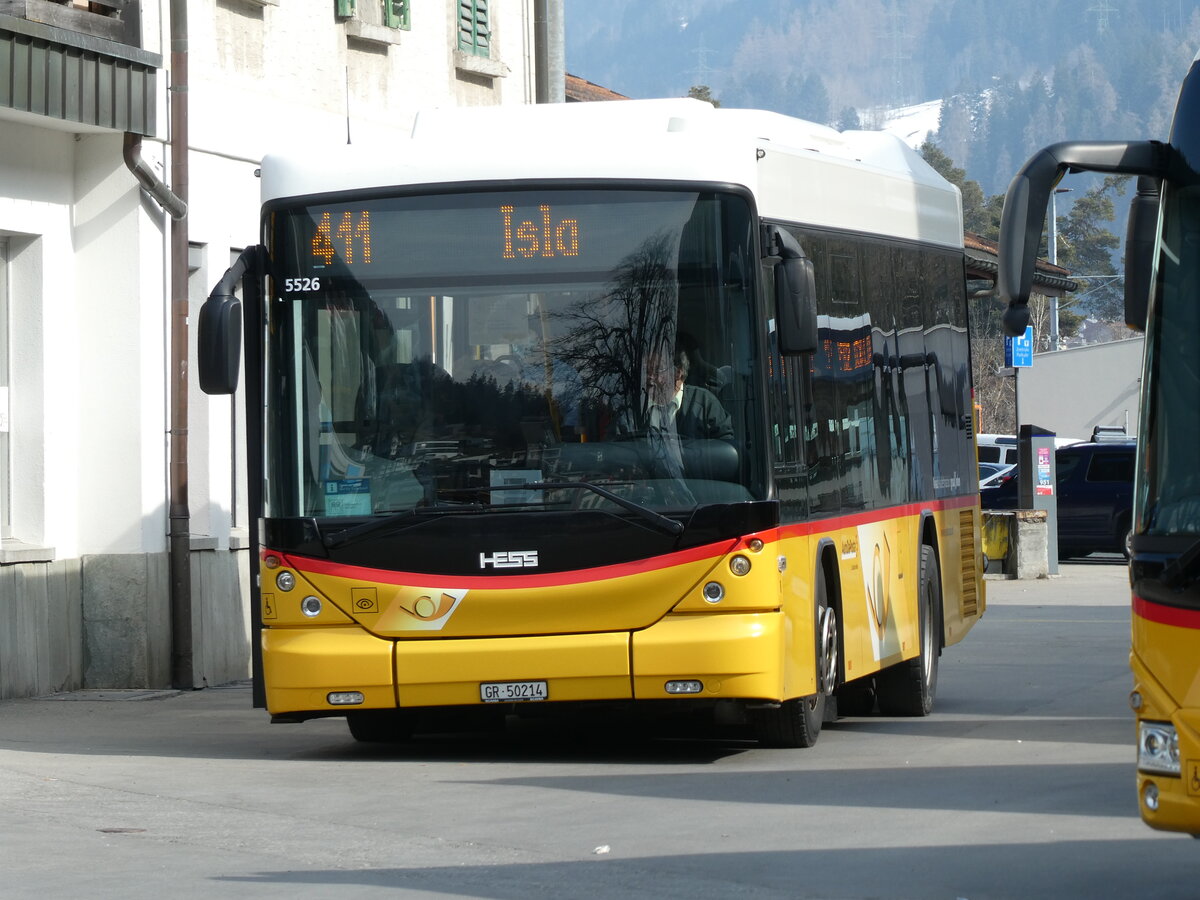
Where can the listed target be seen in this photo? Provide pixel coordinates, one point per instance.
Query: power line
(1102, 9)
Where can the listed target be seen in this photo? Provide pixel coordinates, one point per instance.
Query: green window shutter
(344, 9)
(396, 13)
(474, 35)
(483, 32)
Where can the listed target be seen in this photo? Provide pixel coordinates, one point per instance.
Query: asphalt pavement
(1021, 784)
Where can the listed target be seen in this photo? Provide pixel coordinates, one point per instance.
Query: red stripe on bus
(711, 551)
(1165, 615)
(496, 582)
(814, 526)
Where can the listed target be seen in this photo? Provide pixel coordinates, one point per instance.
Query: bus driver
(689, 410)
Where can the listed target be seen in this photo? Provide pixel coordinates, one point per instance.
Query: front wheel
(797, 722)
(908, 688)
(381, 726)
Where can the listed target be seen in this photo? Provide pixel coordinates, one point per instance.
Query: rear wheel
(797, 722)
(908, 689)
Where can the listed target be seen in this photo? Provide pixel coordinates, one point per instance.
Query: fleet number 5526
(292, 285)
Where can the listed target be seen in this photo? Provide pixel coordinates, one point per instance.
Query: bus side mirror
(219, 331)
(219, 344)
(795, 296)
(1140, 235)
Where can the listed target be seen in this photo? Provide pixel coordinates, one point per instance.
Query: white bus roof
(797, 171)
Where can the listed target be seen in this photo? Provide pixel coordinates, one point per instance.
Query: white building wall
(37, 186)
(121, 313)
(1070, 392)
(89, 298)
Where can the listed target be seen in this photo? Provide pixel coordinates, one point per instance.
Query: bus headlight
(285, 581)
(1158, 748)
(311, 606)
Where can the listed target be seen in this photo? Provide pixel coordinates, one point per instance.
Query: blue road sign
(1018, 351)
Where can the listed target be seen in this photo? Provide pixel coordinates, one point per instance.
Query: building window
(387, 13)
(396, 13)
(474, 33)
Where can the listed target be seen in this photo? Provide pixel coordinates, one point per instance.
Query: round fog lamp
(285, 581)
(714, 592)
(311, 606)
(740, 565)
(1150, 796)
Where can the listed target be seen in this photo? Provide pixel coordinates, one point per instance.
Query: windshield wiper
(663, 523)
(660, 522)
(416, 515)
(1182, 568)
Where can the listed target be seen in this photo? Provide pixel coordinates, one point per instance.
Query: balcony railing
(113, 20)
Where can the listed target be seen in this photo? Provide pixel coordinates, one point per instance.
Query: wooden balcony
(113, 20)
(79, 61)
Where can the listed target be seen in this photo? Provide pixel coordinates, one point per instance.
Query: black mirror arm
(1029, 193)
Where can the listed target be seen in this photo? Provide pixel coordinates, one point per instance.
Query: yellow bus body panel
(731, 655)
(301, 666)
(614, 599)
(622, 632)
(1166, 673)
(575, 667)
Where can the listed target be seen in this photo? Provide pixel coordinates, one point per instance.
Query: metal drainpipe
(182, 674)
(549, 60)
(150, 182)
(182, 669)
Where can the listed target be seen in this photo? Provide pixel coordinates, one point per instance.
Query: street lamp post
(1052, 258)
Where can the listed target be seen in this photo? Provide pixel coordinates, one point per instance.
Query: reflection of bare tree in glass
(609, 338)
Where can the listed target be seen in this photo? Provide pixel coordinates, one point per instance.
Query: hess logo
(509, 559)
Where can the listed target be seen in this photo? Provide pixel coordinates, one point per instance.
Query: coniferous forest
(1013, 75)
(1010, 77)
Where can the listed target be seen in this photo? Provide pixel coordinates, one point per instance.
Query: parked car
(991, 473)
(997, 448)
(1094, 487)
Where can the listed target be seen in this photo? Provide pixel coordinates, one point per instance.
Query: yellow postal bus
(1162, 297)
(642, 402)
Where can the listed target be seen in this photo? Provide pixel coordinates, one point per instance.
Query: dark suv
(1095, 496)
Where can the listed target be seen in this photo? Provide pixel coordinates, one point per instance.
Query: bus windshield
(447, 350)
(1169, 483)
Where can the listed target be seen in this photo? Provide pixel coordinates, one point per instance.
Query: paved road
(1020, 785)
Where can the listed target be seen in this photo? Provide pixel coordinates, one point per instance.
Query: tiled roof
(981, 260)
(581, 90)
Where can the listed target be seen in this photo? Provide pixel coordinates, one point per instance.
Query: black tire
(856, 699)
(797, 722)
(382, 726)
(1124, 533)
(908, 688)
